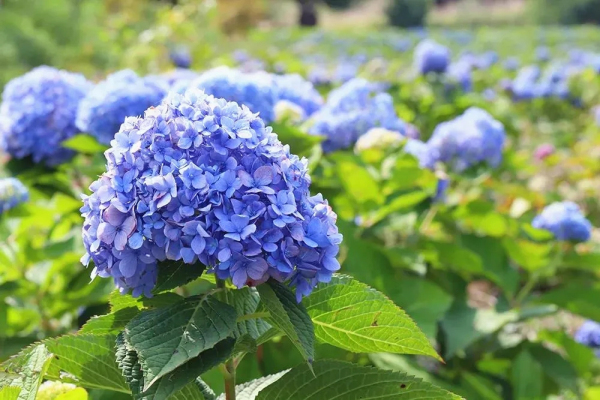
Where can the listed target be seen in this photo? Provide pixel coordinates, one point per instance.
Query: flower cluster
(430, 56)
(352, 110)
(181, 57)
(38, 113)
(123, 94)
(201, 179)
(468, 140)
(12, 193)
(297, 90)
(565, 221)
(588, 334)
(255, 90)
(378, 138)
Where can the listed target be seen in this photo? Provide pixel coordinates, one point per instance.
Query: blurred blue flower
(588, 334)
(470, 139)
(179, 79)
(511, 63)
(180, 57)
(234, 200)
(123, 94)
(297, 90)
(565, 220)
(256, 90)
(12, 193)
(350, 111)
(38, 113)
(430, 56)
(460, 73)
(542, 53)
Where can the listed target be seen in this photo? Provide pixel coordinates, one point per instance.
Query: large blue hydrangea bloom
(255, 90)
(38, 113)
(351, 111)
(123, 94)
(430, 56)
(201, 179)
(588, 334)
(565, 220)
(297, 90)
(468, 140)
(12, 193)
(181, 57)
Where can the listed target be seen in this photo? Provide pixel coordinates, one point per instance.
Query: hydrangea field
(306, 215)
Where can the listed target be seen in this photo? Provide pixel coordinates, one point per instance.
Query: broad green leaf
(458, 258)
(75, 394)
(355, 317)
(173, 274)
(9, 393)
(299, 141)
(168, 337)
(26, 371)
(87, 361)
(84, 144)
(246, 301)
(580, 356)
(528, 255)
(111, 323)
(119, 301)
(189, 392)
(527, 377)
(289, 316)
(400, 202)
(356, 180)
(334, 379)
(585, 262)
(128, 362)
(479, 387)
(579, 297)
(249, 390)
(180, 378)
(555, 366)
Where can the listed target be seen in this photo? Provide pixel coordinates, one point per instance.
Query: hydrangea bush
(201, 179)
(565, 220)
(12, 193)
(38, 113)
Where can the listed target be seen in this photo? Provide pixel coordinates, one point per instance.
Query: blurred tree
(339, 4)
(308, 13)
(407, 13)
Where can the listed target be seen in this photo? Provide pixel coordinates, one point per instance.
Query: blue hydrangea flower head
(470, 139)
(12, 193)
(181, 57)
(542, 53)
(350, 111)
(179, 79)
(297, 90)
(511, 63)
(430, 56)
(565, 221)
(524, 85)
(421, 152)
(123, 94)
(200, 179)
(460, 73)
(588, 334)
(255, 90)
(38, 113)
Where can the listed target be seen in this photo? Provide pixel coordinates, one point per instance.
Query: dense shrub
(407, 13)
(566, 12)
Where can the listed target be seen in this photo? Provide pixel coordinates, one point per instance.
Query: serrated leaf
(119, 301)
(174, 274)
(111, 323)
(246, 301)
(9, 393)
(189, 392)
(129, 364)
(249, 390)
(289, 316)
(207, 392)
(168, 337)
(178, 379)
(348, 314)
(26, 371)
(85, 144)
(334, 379)
(87, 361)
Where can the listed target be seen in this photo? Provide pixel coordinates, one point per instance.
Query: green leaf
(85, 144)
(289, 316)
(355, 317)
(555, 366)
(246, 301)
(191, 391)
(180, 378)
(356, 180)
(26, 371)
(75, 394)
(334, 379)
(527, 377)
(87, 361)
(173, 274)
(249, 390)
(299, 141)
(528, 255)
(168, 337)
(9, 393)
(119, 301)
(112, 323)
(579, 297)
(401, 202)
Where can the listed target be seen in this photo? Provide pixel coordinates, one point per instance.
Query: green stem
(526, 289)
(229, 370)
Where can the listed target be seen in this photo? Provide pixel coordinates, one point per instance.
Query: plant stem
(229, 372)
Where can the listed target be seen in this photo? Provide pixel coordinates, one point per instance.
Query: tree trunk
(308, 13)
